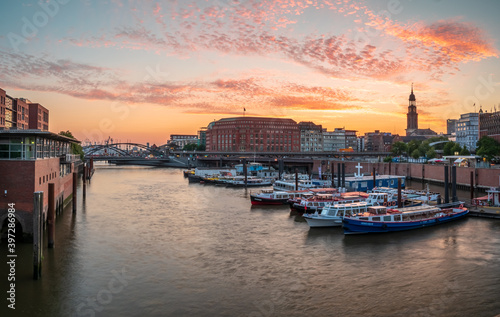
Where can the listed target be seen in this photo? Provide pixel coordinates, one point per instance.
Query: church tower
(412, 115)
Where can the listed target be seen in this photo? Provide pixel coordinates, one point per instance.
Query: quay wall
(21, 178)
(483, 177)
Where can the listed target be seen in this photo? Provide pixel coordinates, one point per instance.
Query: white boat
(239, 181)
(303, 184)
(272, 197)
(332, 215)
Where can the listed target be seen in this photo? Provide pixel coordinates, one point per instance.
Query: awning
(460, 160)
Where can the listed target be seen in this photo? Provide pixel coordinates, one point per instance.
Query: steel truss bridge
(119, 150)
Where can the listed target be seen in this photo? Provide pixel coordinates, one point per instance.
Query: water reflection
(202, 250)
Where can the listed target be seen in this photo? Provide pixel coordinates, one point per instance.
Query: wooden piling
(51, 216)
(374, 178)
(454, 183)
(339, 183)
(471, 186)
(75, 175)
(333, 175)
(399, 194)
(37, 235)
(245, 172)
(446, 186)
(343, 175)
(296, 179)
(84, 180)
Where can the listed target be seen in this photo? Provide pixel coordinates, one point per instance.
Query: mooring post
(51, 216)
(91, 166)
(333, 175)
(471, 186)
(454, 183)
(245, 172)
(339, 175)
(280, 167)
(343, 175)
(75, 175)
(446, 185)
(84, 180)
(37, 235)
(296, 179)
(399, 194)
(374, 178)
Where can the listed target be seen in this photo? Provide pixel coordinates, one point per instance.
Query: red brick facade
(21, 178)
(249, 134)
(38, 117)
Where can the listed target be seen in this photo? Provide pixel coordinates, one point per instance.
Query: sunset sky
(141, 70)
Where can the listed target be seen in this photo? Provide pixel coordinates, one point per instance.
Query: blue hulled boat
(384, 219)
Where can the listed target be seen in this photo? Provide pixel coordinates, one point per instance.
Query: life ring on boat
(394, 203)
(461, 205)
(385, 203)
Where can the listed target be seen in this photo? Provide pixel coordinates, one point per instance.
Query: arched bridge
(113, 150)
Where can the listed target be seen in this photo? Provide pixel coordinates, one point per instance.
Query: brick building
(253, 134)
(38, 117)
(29, 161)
(22, 114)
(489, 124)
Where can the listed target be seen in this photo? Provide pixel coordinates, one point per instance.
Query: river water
(147, 243)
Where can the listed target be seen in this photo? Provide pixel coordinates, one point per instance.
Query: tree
(75, 147)
(447, 149)
(412, 146)
(456, 149)
(423, 148)
(488, 148)
(388, 159)
(415, 154)
(464, 151)
(431, 153)
(190, 147)
(399, 148)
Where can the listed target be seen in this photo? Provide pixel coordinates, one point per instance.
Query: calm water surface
(147, 243)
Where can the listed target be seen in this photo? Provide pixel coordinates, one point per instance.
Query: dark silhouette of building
(412, 115)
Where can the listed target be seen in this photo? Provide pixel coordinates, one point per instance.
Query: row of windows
(2, 100)
(47, 178)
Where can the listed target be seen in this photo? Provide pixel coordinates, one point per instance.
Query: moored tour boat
(332, 215)
(381, 219)
(272, 197)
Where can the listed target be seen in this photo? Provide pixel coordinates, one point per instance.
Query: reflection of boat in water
(382, 219)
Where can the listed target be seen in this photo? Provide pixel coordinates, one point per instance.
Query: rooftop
(36, 132)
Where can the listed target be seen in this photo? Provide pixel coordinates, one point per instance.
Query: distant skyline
(141, 70)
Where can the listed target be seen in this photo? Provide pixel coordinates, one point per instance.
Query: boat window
(375, 218)
(363, 218)
(387, 218)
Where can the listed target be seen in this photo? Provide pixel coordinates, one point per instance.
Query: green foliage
(193, 147)
(456, 148)
(423, 148)
(399, 148)
(415, 154)
(388, 159)
(448, 147)
(412, 146)
(75, 147)
(431, 153)
(464, 151)
(488, 148)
